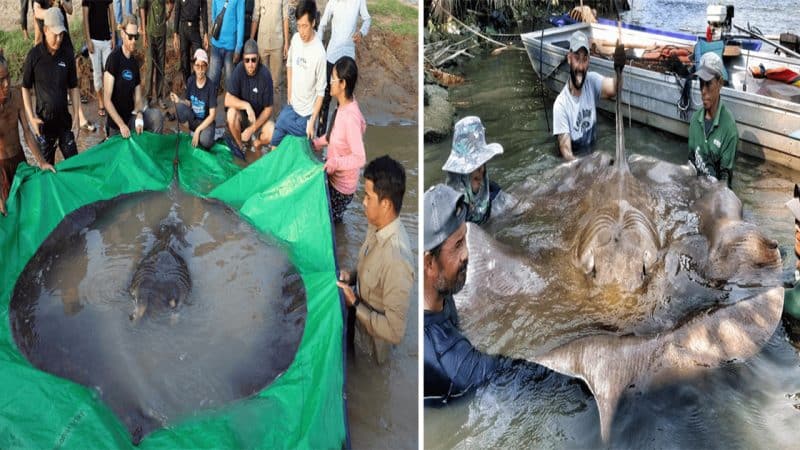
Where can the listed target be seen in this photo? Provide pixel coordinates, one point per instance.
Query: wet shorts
(8, 167)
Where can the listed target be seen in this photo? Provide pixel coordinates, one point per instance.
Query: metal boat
(767, 112)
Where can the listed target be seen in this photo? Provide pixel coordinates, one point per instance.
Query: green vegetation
(15, 47)
(394, 16)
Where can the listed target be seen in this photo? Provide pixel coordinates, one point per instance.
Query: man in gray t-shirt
(574, 111)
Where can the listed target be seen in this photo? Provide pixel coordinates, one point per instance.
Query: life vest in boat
(782, 74)
(667, 51)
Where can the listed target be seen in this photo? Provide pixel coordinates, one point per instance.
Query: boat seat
(702, 47)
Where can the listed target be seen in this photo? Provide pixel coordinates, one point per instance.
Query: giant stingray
(625, 274)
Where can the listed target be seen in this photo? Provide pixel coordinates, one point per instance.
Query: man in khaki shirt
(270, 28)
(385, 272)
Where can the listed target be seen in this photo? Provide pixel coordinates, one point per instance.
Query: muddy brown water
(753, 404)
(237, 331)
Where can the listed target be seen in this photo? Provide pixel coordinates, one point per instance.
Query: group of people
(452, 365)
(252, 89)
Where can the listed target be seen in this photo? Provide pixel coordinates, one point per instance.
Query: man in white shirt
(305, 78)
(343, 17)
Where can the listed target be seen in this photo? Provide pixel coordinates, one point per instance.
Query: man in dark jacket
(453, 367)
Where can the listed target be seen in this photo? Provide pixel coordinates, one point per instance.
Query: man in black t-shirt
(249, 102)
(191, 16)
(50, 70)
(123, 88)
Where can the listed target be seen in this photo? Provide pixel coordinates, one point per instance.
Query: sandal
(89, 126)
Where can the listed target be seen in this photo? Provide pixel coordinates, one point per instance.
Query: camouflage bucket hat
(470, 150)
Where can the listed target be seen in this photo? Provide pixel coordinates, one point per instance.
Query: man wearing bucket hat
(466, 168)
(453, 367)
(574, 111)
(712, 130)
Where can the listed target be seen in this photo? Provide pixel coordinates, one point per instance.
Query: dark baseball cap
(445, 211)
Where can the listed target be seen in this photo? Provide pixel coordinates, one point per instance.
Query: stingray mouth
(618, 250)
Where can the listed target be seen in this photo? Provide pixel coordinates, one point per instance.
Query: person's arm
(31, 142)
(366, 20)
(212, 114)
(170, 8)
(561, 126)
(86, 38)
(38, 12)
(320, 90)
(232, 101)
(390, 324)
(75, 94)
(286, 36)
(289, 77)
(67, 5)
(326, 17)
(111, 110)
(143, 22)
(565, 146)
(256, 18)
(237, 52)
(728, 156)
(112, 25)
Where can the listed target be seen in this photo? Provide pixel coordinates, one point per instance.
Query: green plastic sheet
(283, 194)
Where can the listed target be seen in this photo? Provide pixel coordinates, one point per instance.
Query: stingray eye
(645, 258)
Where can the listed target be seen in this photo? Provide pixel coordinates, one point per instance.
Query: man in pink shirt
(345, 138)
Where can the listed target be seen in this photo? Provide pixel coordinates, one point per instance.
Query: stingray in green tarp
(302, 408)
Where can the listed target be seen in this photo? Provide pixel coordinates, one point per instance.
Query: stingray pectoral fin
(495, 269)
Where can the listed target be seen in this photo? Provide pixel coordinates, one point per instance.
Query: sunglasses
(131, 36)
(251, 60)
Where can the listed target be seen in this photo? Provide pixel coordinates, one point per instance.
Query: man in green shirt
(153, 15)
(712, 131)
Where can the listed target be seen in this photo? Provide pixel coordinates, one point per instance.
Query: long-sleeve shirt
(343, 16)
(191, 11)
(385, 277)
(346, 155)
(453, 367)
(231, 37)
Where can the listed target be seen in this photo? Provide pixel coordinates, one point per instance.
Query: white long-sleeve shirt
(343, 16)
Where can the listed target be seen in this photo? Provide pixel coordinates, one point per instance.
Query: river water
(746, 405)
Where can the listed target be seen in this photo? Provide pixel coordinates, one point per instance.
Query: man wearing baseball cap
(575, 110)
(453, 367)
(712, 130)
(199, 109)
(50, 71)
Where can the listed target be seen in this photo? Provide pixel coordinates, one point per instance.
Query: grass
(394, 16)
(16, 47)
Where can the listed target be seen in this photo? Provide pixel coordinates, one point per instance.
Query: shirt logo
(62, 64)
(127, 75)
(255, 89)
(584, 121)
(717, 143)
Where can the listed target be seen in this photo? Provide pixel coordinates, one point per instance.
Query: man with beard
(712, 131)
(453, 367)
(574, 111)
(12, 113)
(385, 274)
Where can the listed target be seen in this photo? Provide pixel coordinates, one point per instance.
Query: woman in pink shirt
(345, 138)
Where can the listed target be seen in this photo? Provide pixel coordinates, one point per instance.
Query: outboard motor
(719, 18)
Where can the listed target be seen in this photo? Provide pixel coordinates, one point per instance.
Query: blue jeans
(218, 55)
(289, 122)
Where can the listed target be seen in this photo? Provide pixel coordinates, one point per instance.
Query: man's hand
(583, 14)
(349, 295)
(90, 46)
(205, 42)
(3, 207)
(125, 131)
(357, 37)
(247, 134)
(344, 276)
(76, 127)
(195, 138)
(44, 165)
(139, 123)
(236, 57)
(251, 114)
(310, 128)
(113, 42)
(175, 44)
(36, 124)
(619, 57)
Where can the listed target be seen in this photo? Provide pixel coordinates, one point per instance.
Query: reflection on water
(238, 330)
(382, 400)
(745, 405)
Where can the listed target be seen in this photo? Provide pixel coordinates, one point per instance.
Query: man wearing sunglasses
(248, 98)
(712, 130)
(123, 88)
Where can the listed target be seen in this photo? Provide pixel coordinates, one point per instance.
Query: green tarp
(283, 194)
